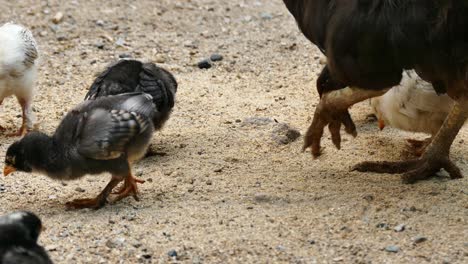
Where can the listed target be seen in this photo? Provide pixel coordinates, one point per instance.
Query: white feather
(413, 106)
(18, 65)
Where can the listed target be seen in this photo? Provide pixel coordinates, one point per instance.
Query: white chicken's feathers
(18, 51)
(413, 106)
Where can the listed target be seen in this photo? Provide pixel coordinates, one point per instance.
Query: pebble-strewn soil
(224, 189)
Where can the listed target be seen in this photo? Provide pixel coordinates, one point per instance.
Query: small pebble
(393, 249)
(216, 57)
(172, 253)
(204, 64)
(100, 23)
(419, 239)
(383, 226)
(79, 189)
(160, 58)
(266, 16)
(399, 228)
(57, 18)
(124, 55)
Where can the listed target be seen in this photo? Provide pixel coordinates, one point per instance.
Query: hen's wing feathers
(22, 255)
(106, 134)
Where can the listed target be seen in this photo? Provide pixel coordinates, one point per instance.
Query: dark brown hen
(368, 44)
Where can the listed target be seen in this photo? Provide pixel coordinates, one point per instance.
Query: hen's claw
(93, 203)
(413, 170)
(334, 118)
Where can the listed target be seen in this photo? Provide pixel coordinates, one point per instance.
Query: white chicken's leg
(435, 157)
(27, 117)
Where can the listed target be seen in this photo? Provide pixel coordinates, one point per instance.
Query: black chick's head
(15, 159)
(27, 221)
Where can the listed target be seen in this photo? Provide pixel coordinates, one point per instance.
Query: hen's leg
(435, 157)
(417, 147)
(332, 111)
(97, 202)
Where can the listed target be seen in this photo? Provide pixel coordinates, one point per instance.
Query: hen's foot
(333, 118)
(413, 170)
(332, 111)
(94, 203)
(129, 188)
(417, 147)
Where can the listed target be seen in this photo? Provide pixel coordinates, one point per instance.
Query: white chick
(18, 70)
(413, 106)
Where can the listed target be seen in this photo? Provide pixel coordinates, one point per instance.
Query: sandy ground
(224, 192)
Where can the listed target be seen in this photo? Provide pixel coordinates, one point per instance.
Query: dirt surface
(223, 190)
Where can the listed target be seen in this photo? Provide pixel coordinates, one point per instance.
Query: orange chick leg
(99, 201)
(129, 188)
(22, 130)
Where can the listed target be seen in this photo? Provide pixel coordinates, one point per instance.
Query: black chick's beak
(8, 169)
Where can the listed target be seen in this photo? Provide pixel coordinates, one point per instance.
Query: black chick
(102, 135)
(19, 233)
(126, 76)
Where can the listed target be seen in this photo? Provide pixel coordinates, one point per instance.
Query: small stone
(99, 23)
(284, 134)
(323, 60)
(209, 182)
(99, 45)
(368, 197)
(257, 121)
(204, 64)
(419, 239)
(280, 248)
(266, 16)
(57, 18)
(172, 253)
(51, 248)
(113, 243)
(52, 197)
(216, 57)
(383, 226)
(393, 249)
(120, 42)
(160, 58)
(125, 56)
(218, 170)
(312, 242)
(79, 189)
(399, 228)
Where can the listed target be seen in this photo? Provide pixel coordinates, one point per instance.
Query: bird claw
(413, 170)
(129, 188)
(93, 203)
(333, 117)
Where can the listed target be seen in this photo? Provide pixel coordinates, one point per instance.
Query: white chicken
(413, 106)
(18, 70)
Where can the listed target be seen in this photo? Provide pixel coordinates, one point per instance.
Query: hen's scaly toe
(413, 170)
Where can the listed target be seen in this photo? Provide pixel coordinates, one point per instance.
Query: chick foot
(99, 201)
(21, 132)
(93, 203)
(129, 188)
(413, 170)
